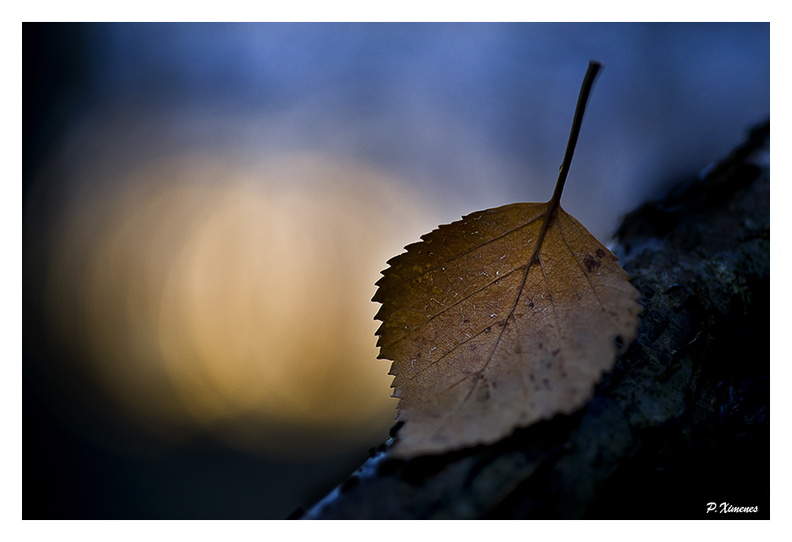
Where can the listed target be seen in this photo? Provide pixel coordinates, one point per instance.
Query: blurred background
(206, 209)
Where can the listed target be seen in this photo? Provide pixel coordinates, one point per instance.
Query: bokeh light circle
(206, 295)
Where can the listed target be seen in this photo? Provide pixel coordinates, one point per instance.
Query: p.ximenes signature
(726, 508)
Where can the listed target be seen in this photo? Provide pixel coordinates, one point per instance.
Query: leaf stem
(555, 201)
(585, 90)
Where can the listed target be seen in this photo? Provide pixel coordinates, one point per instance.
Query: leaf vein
(449, 307)
(385, 287)
(455, 347)
(582, 269)
(555, 311)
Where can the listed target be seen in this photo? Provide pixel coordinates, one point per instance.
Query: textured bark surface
(683, 419)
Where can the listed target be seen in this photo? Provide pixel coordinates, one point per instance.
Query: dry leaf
(480, 346)
(502, 319)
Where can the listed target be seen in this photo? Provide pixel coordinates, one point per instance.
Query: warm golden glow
(210, 296)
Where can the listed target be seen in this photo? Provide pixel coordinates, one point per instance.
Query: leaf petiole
(585, 89)
(555, 201)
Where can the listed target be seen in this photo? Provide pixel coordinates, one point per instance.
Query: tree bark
(683, 419)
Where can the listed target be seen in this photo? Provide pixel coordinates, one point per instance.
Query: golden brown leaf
(504, 318)
(483, 342)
